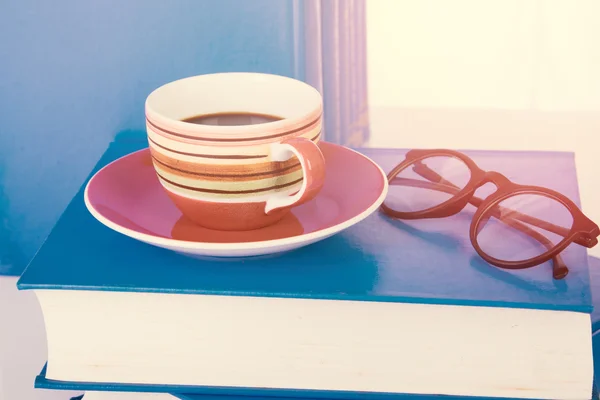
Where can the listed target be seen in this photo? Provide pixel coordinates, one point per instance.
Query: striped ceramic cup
(235, 151)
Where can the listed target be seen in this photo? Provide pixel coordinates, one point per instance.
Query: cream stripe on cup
(256, 184)
(171, 146)
(207, 154)
(229, 198)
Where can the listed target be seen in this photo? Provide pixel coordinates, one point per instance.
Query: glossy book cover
(249, 394)
(379, 259)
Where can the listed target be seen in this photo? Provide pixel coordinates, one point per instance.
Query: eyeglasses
(516, 227)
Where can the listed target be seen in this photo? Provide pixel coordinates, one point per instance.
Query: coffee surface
(231, 119)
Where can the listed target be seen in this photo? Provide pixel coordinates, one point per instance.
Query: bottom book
(111, 392)
(96, 395)
(128, 396)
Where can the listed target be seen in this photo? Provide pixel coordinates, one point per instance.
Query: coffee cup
(236, 151)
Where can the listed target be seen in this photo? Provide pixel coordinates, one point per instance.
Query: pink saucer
(127, 197)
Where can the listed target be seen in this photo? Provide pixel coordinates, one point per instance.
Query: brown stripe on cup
(230, 192)
(196, 174)
(221, 169)
(221, 157)
(212, 156)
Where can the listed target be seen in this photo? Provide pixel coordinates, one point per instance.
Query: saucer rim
(238, 246)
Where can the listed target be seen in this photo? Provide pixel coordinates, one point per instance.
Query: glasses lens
(427, 183)
(523, 227)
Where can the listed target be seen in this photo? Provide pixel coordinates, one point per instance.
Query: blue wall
(75, 73)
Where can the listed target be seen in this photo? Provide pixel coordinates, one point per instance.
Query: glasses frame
(583, 230)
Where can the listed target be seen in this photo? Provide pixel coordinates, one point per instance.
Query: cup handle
(313, 169)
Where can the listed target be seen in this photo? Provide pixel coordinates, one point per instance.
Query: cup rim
(155, 117)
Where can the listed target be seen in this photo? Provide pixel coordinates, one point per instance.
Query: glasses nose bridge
(495, 178)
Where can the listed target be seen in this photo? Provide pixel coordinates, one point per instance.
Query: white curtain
(335, 63)
(485, 54)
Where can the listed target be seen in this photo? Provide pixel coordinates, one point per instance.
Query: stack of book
(386, 308)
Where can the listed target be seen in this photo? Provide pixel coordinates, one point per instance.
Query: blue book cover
(379, 259)
(42, 383)
(206, 397)
(594, 396)
(195, 397)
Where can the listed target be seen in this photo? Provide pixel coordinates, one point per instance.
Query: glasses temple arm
(559, 268)
(433, 176)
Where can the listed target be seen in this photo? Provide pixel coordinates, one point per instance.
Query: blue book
(42, 382)
(594, 264)
(357, 314)
(93, 395)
